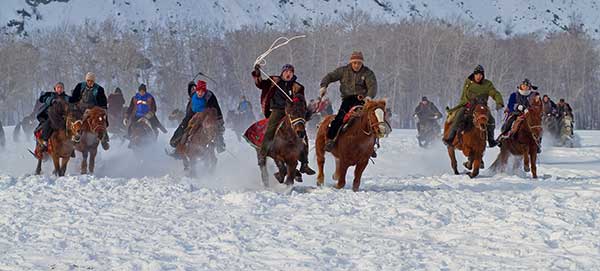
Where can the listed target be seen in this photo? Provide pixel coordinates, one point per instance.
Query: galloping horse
(198, 141)
(61, 119)
(354, 145)
(92, 128)
(141, 134)
(525, 140)
(288, 144)
(566, 131)
(471, 140)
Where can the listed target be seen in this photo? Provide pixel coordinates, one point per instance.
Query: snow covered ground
(411, 214)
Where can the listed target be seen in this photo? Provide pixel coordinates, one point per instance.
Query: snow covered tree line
(411, 58)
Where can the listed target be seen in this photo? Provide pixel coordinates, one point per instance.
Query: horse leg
(93, 160)
(281, 173)
(453, 162)
(38, 169)
(264, 174)
(291, 172)
(84, 157)
(533, 153)
(320, 153)
(56, 162)
(526, 160)
(358, 171)
(476, 163)
(341, 175)
(64, 163)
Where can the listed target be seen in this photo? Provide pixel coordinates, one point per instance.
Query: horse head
(375, 112)
(533, 116)
(296, 112)
(96, 121)
(480, 116)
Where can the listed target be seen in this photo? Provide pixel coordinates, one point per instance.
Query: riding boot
(377, 146)
(304, 168)
(448, 141)
(104, 141)
(177, 136)
(490, 136)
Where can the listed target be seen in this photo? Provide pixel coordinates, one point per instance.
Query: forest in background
(411, 58)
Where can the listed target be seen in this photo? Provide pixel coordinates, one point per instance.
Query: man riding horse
(87, 95)
(357, 81)
(274, 97)
(427, 114)
(476, 88)
(45, 129)
(200, 99)
(518, 104)
(143, 105)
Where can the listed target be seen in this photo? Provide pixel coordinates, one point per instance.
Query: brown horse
(525, 140)
(288, 144)
(355, 145)
(93, 126)
(471, 140)
(198, 141)
(60, 146)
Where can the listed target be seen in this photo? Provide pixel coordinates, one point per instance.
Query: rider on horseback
(200, 99)
(273, 101)
(518, 104)
(143, 105)
(47, 99)
(549, 107)
(88, 94)
(357, 81)
(427, 114)
(476, 87)
(564, 109)
(115, 103)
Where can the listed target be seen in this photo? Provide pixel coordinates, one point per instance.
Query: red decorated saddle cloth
(38, 148)
(353, 112)
(255, 134)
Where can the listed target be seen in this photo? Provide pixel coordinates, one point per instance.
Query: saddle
(255, 134)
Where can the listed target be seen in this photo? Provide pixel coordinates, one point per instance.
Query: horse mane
(57, 114)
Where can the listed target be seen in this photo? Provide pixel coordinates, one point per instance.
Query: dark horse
(27, 124)
(141, 134)
(524, 141)
(471, 140)
(355, 145)
(288, 144)
(60, 145)
(198, 141)
(92, 128)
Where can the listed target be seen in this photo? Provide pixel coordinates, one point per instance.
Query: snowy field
(141, 213)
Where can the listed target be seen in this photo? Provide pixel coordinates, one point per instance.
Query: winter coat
(353, 83)
(138, 102)
(425, 112)
(46, 100)
(115, 103)
(474, 91)
(516, 99)
(210, 102)
(88, 97)
(564, 109)
(549, 107)
(244, 106)
(271, 97)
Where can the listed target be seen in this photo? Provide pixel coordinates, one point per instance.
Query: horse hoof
(471, 175)
(279, 177)
(527, 169)
(467, 165)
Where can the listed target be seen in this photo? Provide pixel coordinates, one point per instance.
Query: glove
(520, 107)
(322, 92)
(256, 71)
(126, 122)
(525, 111)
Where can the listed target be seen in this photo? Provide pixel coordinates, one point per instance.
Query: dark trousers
(336, 124)
(180, 130)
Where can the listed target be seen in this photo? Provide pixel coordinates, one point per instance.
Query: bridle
(372, 125)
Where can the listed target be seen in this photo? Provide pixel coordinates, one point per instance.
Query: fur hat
(357, 56)
(287, 67)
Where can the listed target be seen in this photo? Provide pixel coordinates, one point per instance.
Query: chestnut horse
(355, 145)
(525, 140)
(93, 127)
(288, 144)
(472, 140)
(60, 145)
(198, 141)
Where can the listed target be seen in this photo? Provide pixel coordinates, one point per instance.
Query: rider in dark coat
(47, 99)
(427, 114)
(87, 95)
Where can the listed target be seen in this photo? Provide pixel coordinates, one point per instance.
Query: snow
(411, 213)
(524, 16)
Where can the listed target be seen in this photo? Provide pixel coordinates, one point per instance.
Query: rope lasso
(260, 60)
